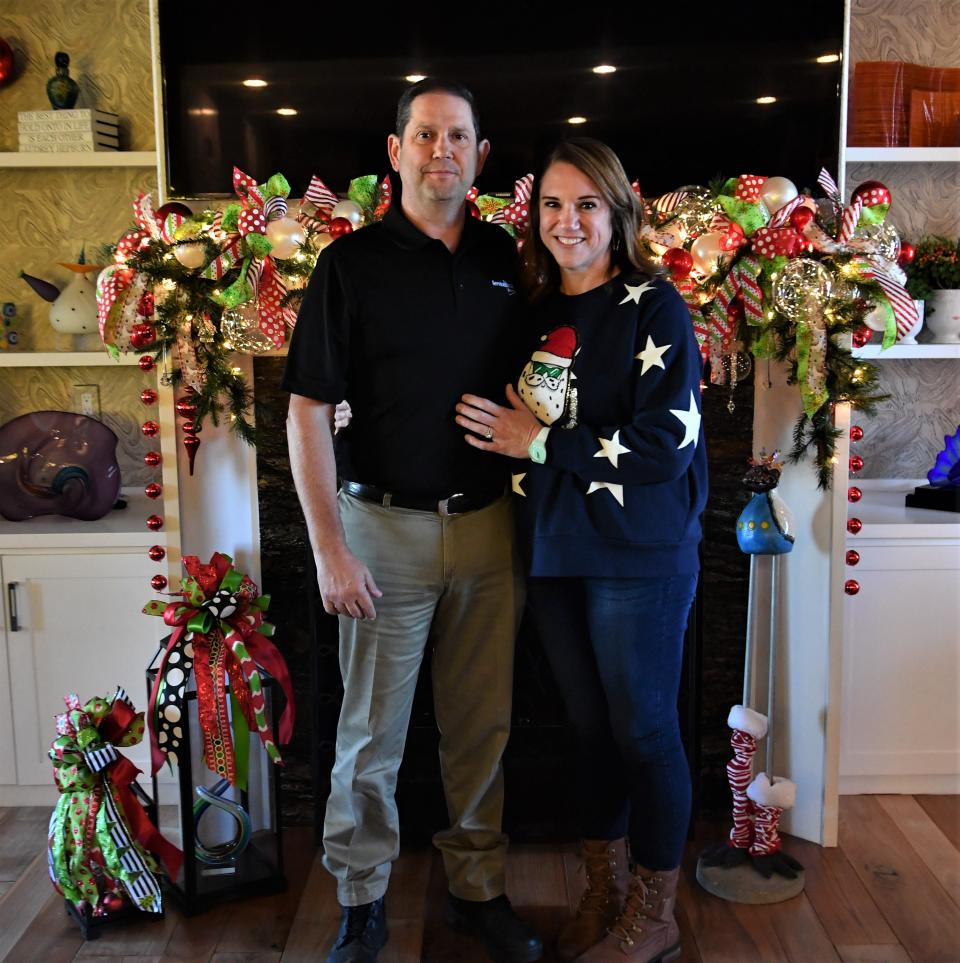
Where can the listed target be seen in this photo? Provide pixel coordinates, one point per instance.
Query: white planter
(943, 316)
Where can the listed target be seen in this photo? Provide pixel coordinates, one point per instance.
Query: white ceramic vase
(943, 316)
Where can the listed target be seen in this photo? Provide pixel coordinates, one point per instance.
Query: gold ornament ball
(191, 255)
(776, 192)
(322, 240)
(351, 210)
(286, 235)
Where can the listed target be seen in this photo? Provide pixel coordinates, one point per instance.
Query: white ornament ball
(707, 252)
(876, 320)
(191, 255)
(351, 210)
(286, 235)
(776, 192)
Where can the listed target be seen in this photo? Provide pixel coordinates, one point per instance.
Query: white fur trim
(547, 357)
(747, 720)
(781, 793)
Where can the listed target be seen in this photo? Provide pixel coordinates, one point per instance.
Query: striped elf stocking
(770, 799)
(748, 726)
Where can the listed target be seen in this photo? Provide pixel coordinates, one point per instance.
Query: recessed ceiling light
(415, 78)
(286, 112)
(254, 82)
(766, 100)
(604, 69)
(828, 59)
(576, 120)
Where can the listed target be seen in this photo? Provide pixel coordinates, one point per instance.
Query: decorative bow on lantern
(219, 632)
(101, 839)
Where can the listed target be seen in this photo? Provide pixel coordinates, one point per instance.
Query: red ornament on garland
(159, 582)
(157, 553)
(191, 443)
(851, 586)
(147, 363)
(907, 253)
(853, 557)
(148, 396)
(153, 490)
(856, 463)
(872, 193)
(154, 523)
(854, 494)
(474, 211)
(146, 305)
(150, 429)
(340, 226)
(186, 407)
(112, 901)
(856, 433)
(152, 458)
(861, 336)
(189, 428)
(854, 525)
(677, 261)
(801, 217)
(142, 336)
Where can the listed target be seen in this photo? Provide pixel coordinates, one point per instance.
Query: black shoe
(363, 933)
(506, 937)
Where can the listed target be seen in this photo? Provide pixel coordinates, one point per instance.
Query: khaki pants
(452, 584)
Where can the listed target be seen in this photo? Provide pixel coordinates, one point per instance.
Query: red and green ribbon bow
(219, 634)
(102, 845)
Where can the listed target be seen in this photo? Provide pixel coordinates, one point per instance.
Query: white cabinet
(73, 624)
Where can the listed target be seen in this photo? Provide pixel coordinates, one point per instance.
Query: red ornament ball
(851, 586)
(146, 305)
(147, 363)
(854, 494)
(861, 337)
(153, 490)
(150, 429)
(186, 407)
(801, 217)
(148, 396)
(157, 553)
(853, 557)
(152, 458)
(474, 211)
(340, 226)
(142, 335)
(856, 463)
(856, 433)
(677, 261)
(872, 193)
(154, 523)
(907, 253)
(854, 525)
(112, 901)
(6, 62)
(173, 207)
(159, 582)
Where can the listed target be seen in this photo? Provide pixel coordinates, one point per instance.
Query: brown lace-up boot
(605, 865)
(646, 931)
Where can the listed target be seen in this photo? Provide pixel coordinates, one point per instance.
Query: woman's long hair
(594, 159)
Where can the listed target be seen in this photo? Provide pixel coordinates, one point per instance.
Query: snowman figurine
(73, 310)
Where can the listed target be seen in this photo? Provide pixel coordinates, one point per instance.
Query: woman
(607, 418)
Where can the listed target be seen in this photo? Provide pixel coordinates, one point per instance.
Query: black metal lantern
(230, 834)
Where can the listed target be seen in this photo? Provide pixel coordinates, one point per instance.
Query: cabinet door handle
(12, 606)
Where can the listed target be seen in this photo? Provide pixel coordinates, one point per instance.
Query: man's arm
(346, 585)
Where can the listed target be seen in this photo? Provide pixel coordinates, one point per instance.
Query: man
(416, 549)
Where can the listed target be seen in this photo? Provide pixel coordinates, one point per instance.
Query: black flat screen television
(680, 107)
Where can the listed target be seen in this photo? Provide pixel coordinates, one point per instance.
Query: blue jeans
(615, 646)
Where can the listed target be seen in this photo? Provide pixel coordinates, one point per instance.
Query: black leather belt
(456, 504)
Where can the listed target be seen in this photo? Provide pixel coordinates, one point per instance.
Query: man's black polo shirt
(401, 328)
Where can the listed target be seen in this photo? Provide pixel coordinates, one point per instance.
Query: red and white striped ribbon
(783, 215)
(829, 185)
(517, 212)
(667, 203)
(904, 310)
(318, 194)
(849, 220)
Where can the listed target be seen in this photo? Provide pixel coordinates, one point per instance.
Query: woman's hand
(506, 431)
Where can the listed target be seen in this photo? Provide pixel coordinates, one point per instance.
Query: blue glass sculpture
(946, 469)
(57, 463)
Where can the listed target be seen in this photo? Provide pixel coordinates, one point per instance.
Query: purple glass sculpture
(57, 463)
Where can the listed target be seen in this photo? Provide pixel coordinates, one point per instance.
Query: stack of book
(68, 131)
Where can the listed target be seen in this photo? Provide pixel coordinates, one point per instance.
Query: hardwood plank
(889, 953)
(409, 878)
(4, 886)
(23, 901)
(194, 938)
(261, 956)
(23, 835)
(800, 931)
(925, 920)
(51, 937)
(945, 812)
(441, 943)
(928, 841)
(316, 920)
(842, 903)
(137, 936)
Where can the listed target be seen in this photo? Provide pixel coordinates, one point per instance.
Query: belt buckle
(443, 506)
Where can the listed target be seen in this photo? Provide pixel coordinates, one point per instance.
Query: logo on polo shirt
(506, 285)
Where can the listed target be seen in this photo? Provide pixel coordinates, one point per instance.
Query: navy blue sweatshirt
(616, 375)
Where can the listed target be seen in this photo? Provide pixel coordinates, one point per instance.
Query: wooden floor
(890, 893)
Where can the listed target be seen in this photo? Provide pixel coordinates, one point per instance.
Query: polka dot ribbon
(517, 213)
(221, 614)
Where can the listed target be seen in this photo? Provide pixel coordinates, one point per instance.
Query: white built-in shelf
(875, 353)
(124, 527)
(99, 158)
(900, 155)
(885, 515)
(61, 359)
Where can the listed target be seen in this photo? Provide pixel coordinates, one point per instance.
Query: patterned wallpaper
(903, 437)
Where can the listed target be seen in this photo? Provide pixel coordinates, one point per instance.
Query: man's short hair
(434, 85)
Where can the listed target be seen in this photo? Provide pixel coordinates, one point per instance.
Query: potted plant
(934, 277)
